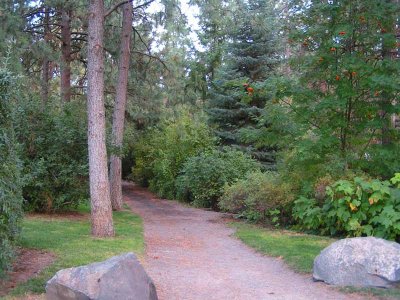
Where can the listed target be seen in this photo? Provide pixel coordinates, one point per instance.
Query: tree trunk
(65, 55)
(45, 76)
(119, 107)
(101, 212)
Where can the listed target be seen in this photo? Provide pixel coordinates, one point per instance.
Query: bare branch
(42, 25)
(141, 39)
(152, 57)
(114, 7)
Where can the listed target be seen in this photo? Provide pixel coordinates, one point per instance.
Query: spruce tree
(236, 95)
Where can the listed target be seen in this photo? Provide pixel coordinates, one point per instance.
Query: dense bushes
(161, 152)
(179, 159)
(10, 175)
(54, 153)
(203, 177)
(355, 207)
(257, 196)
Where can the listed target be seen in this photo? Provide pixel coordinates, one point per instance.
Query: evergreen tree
(236, 96)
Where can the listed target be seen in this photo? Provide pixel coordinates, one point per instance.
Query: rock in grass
(362, 262)
(118, 278)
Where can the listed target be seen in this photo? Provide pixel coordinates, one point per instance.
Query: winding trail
(191, 254)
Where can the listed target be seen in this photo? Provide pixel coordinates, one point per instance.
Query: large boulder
(362, 262)
(118, 278)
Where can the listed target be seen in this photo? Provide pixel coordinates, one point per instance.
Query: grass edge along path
(70, 241)
(298, 250)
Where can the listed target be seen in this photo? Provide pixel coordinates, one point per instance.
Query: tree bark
(45, 76)
(101, 212)
(119, 107)
(65, 55)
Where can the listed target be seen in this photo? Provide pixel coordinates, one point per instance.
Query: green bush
(10, 175)
(257, 196)
(203, 177)
(358, 207)
(380, 161)
(54, 153)
(161, 153)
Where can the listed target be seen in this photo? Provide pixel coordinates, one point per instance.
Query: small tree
(347, 80)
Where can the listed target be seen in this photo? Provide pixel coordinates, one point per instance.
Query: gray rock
(362, 262)
(118, 278)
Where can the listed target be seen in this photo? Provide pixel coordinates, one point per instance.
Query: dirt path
(190, 254)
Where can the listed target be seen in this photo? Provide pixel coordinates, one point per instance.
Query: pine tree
(237, 97)
(101, 210)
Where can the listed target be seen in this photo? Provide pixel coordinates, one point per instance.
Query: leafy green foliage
(258, 196)
(381, 161)
(356, 208)
(10, 174)
(347, 80)
(161, 153)
(54, 153)
(203, 177)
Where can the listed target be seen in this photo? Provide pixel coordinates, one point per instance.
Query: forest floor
(29, 263)
(192, 254)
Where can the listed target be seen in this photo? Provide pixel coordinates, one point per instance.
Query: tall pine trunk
(65, 55)
(45, 76)
(119, 107)
(101, 212)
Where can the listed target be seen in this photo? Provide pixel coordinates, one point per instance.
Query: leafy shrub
(359, 207)
(257, 196)
(54, 153)
(203, 177)
(10, 175)
(161, 153)
(381, 161)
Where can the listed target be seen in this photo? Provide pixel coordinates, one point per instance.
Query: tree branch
(141, 39)
(114, 7)
(152, 57)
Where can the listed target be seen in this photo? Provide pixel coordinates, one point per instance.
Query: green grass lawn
(298, 251)
(70, 241)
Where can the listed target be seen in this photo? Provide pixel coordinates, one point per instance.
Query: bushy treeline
(180, 159)
(10, 174)
(54, 154)
(43, 161)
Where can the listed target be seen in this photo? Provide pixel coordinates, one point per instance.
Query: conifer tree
(236, 97)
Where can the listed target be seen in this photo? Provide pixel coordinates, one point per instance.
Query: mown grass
(298, 251)
(70, 241)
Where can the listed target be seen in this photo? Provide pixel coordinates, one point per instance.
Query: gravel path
(191, 254)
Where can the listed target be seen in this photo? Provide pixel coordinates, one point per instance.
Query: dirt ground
(191, 254)
(28, 264)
